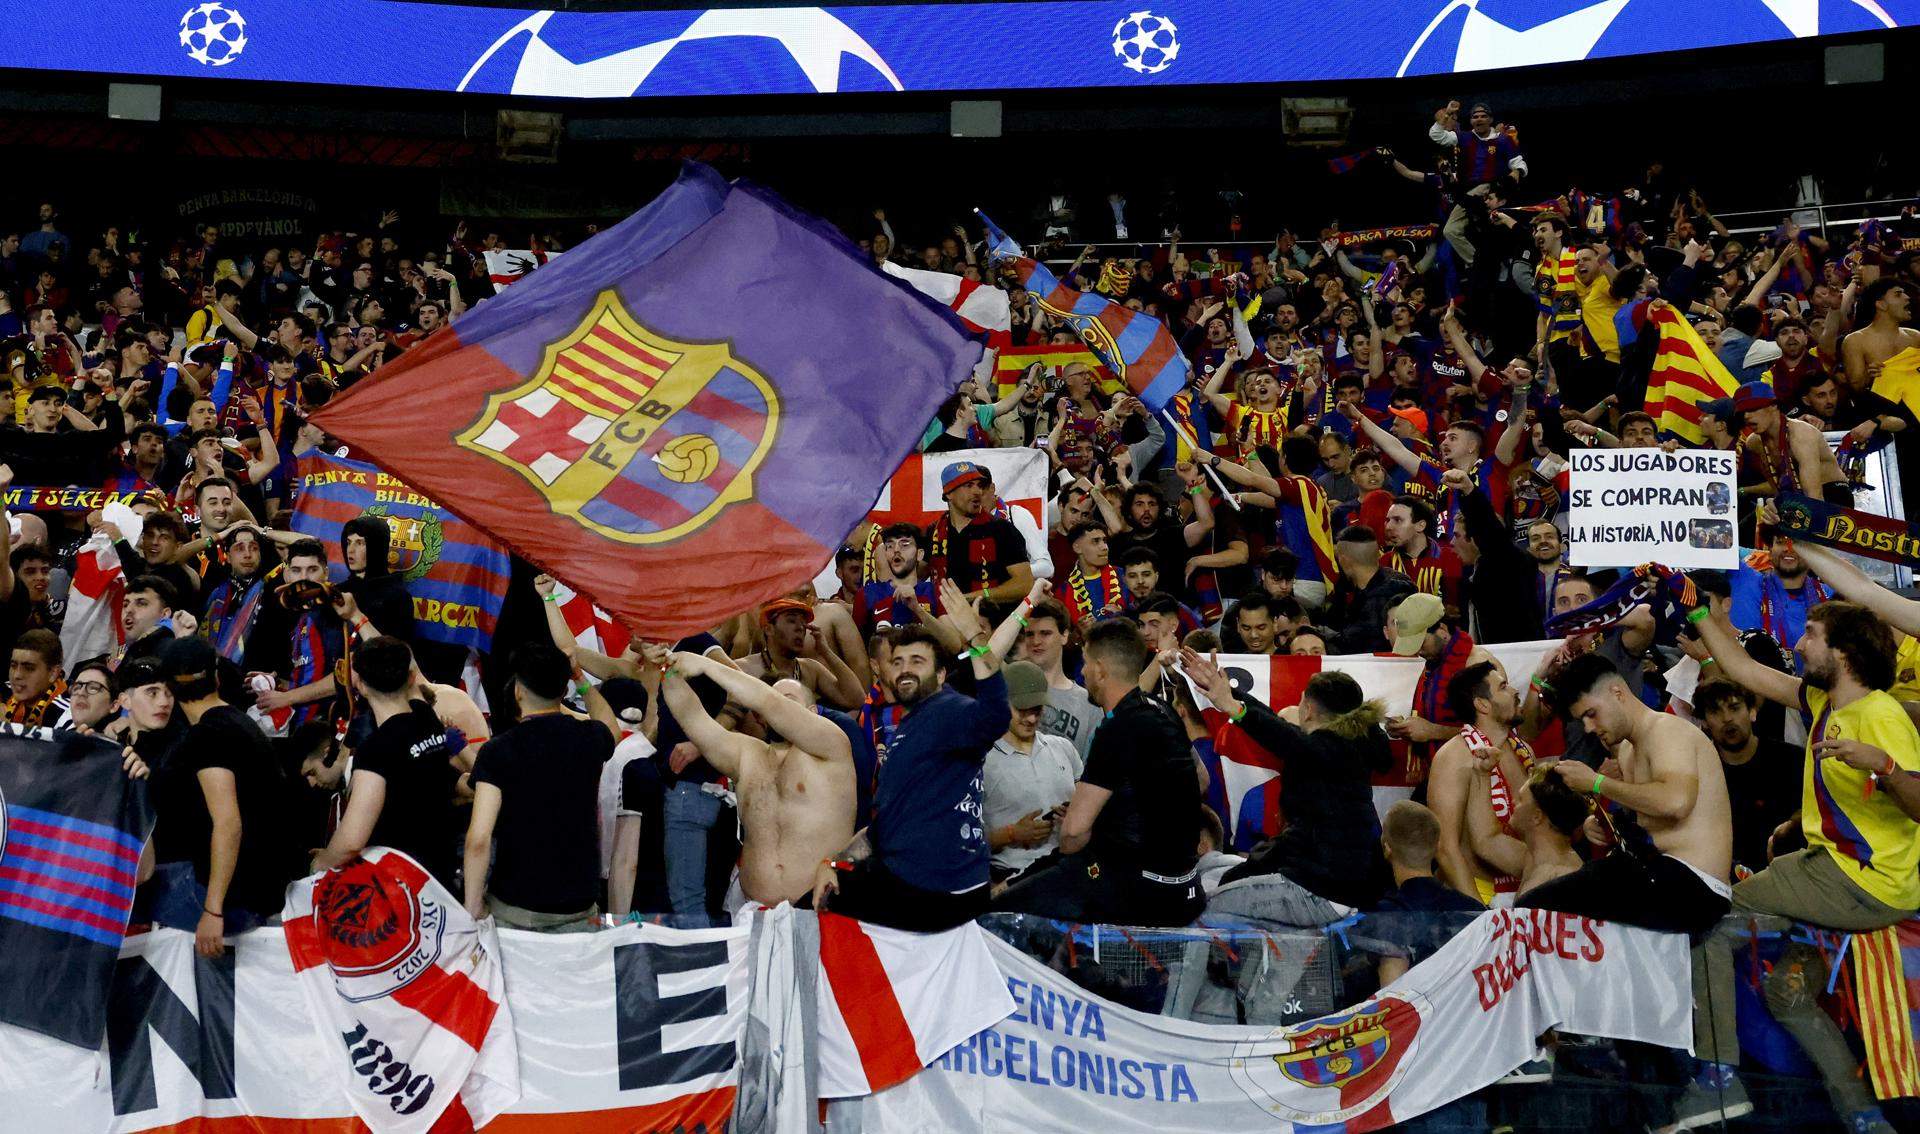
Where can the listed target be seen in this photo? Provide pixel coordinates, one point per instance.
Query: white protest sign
(1632, 506)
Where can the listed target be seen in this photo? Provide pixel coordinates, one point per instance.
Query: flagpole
(1194, 445)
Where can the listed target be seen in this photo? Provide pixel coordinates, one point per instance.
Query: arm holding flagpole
(1199, 457)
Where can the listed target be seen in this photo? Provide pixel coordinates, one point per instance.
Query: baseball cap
(1757, 394)
(46, 390)
(1413, 415)
(962, 473)
(1412, 619)
(185, 656)
(1720, 409)
(1026, 685)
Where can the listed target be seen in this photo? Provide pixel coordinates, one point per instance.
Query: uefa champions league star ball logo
(213, 34)
(1146, 43)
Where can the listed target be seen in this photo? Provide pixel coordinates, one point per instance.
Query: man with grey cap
(1029, 777)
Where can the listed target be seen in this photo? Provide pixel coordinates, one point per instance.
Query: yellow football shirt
(1874, 842)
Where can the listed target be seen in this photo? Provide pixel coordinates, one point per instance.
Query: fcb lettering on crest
(1336, 1068)
(632, 435)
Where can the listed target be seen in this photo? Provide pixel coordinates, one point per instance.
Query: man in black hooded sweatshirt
(1328, 855)
(365, 544)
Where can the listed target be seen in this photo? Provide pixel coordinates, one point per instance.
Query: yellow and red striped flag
(1013, 361)
(1685, 374)
(1886, 977)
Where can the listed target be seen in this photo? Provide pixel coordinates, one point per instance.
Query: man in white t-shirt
(1029, 778)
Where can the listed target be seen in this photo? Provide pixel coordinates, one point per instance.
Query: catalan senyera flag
(1012, 362)
(1685, 373)
(1899, 379)
(1136, 347)
(1886, 981)
(662, 419)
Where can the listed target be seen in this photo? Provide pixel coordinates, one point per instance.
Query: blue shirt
(927, 827)
(1762, 602)
(866, 760)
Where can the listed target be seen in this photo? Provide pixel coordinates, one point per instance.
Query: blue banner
(908, 47)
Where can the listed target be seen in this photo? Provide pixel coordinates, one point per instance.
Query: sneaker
(1869, 1121)
(1532, 1071)
(1714, 1096)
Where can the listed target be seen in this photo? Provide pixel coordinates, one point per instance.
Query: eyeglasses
(91, 688)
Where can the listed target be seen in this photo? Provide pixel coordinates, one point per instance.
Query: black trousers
(870, 892)
(1076, 888)
(1652, 891)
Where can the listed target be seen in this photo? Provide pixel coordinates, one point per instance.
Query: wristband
(1892, 767)
(212, 913)
(553, 597)
(1697, 614)
(1197, 489)
(1598, 779)
(977, 652)
(583, 687)
(1237, 717)
(359, 621)
(1022, 619)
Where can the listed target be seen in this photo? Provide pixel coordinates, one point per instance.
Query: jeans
(690, 814)
(176, 899)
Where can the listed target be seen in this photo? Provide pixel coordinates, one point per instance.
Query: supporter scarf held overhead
(1134, 345)
(1829, 525)
(663, 418)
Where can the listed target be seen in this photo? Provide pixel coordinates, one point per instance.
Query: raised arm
(1241, 474)
(1457, 338)
(1734, 664)
(724, 750)
(1389, 445)
(245, 337)
(812, 732)
(1852, 584)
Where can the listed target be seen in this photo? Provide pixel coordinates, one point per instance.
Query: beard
(1821, 676)
(910, 690)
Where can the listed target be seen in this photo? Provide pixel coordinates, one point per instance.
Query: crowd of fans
(989, 714)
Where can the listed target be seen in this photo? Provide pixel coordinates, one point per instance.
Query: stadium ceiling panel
(877, 47)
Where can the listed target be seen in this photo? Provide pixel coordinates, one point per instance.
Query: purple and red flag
(683, 416)
(1135, 346)
(455, 573)
(71, 829)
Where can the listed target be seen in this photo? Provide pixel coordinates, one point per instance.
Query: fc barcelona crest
(635, 436)
(1335, 1068)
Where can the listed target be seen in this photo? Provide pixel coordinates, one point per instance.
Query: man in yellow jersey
(1858, 872)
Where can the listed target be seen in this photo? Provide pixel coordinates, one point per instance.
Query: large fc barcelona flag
(683, 416)
(71, 829)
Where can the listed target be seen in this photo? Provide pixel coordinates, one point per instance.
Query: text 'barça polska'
(1001, 1052)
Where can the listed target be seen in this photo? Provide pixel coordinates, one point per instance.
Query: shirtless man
(1537, 846)
(796, 788)
(1670, 777)
(1866, 350)
(1772, 433)
(1480, 694)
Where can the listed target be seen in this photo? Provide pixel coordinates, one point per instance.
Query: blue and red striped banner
(71, 829)
(456, 575)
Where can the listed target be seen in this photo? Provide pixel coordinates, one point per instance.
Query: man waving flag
(662, 417)
(1134, 345)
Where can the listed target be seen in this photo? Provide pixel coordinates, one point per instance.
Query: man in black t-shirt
(1763, 776)
(401, 792)
(980, 551)
(1130, 835)
(536, 799)
(244, 862)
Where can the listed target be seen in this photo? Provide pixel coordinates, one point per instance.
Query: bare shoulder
(1677, 739)
(1480, 655)
(1451, 757)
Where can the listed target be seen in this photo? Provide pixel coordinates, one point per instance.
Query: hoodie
(382, 595)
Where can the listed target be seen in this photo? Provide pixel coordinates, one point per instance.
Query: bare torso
(795, 812)
(1703, 837)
